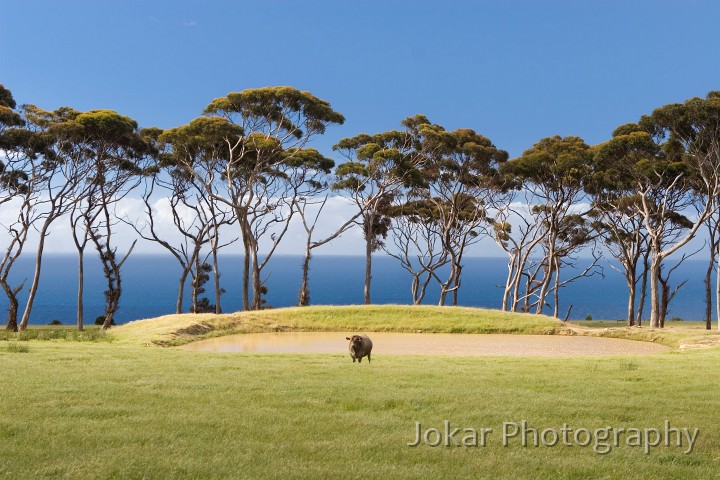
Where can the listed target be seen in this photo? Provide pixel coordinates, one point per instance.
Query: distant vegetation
(421, 193)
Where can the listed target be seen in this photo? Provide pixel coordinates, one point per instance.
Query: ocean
(150, 285)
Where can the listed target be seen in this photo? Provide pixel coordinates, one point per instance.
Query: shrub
(588, 318)
(101, 319)
(55, 322)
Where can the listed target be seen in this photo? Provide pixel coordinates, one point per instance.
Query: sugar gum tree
(617, 205)
(19, 182)
(688, 166)
(553, 170)
(268, 129)
(115, 152)
(377, 169)
(462, 184)
(202, 141)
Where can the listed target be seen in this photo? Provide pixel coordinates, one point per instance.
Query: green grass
(68, 333)
(180, 329)
(123, 410)
(111, 411)
(17, 348)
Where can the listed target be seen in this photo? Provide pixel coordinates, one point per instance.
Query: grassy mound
(172, 330)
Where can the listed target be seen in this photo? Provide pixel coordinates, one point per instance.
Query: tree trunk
(631, 300)
(36, 275)
(643, 290)
(368, 267)
(655, 291)
(246, 277)
(12, 324)
(509, 281)
(81, 291)
(544, 288)
(708, 290)
(456, 285)
(445, 287)
(181, 290)
(256, 283)
(195, 283)
(113, 300)
(246, 239)
(664, 298)
(216, 277)
(414, 287)
(556, 292)
(304, 296)
(717, 287)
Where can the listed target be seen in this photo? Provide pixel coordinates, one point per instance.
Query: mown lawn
(123, 410)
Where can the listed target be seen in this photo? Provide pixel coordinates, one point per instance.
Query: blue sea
(150, 285)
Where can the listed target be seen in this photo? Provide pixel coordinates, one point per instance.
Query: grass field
(122, 407)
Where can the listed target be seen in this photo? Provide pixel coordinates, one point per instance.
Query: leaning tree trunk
(36, 275)
(181, 289)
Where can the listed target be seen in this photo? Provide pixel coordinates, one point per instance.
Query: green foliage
(200, 279)
(100, 319)
(278, 106)
(554, 163)
(6, 98)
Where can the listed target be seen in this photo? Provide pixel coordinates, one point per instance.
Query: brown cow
(360, 346)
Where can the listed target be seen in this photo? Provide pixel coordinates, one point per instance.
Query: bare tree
(196, 218)
(309, 222)
(418, 246)
(515, 232)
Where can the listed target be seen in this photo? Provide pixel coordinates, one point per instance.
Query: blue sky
(515, 71)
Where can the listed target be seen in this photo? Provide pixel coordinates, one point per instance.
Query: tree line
(421, 193)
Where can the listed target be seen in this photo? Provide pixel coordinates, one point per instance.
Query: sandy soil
(428, 344)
